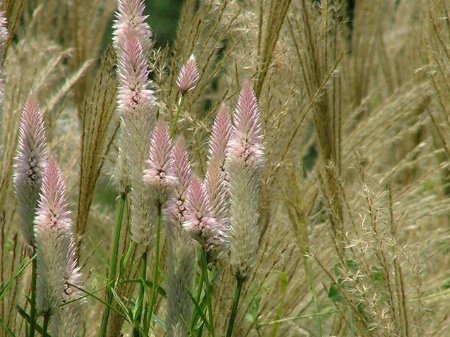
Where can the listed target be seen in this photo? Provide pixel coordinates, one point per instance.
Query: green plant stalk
(45, 326)
(196, 315)
(237, 295)
(312, 288)
(155, 271)
(113, 265)
(205, 278)
(177, 116)
(140, 298)
(33, 297)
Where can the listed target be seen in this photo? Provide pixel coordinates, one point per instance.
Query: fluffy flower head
(188, 77)
(200, 223)
(246, 140)
(159, 173)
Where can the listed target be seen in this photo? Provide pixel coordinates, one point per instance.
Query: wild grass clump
(280, 169)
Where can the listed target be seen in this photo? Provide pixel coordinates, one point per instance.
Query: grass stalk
(140, 298)
(155, 271)
(173, 128)
(205, 277)
(45, 325)
(234, 308)
(113, 265)
(33, 297)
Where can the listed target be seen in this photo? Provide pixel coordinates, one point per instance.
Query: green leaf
(335, 295)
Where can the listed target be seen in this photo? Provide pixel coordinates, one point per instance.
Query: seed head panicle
(53, 237)
(246, 139)
(159, 173)
(130, 18)
(30, 164)
(200, 223)
(188, 77)
(220, 136)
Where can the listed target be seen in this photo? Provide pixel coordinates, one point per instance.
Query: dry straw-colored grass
(354, 206)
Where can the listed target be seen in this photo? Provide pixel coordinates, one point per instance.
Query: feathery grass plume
(220, 135)
(199, 222)
(66, 321)
(159, 174)
(188, 76)
(53, 237)
(136, 101)
(180, 263)
(244, 162)
(130, 17)
(30, 164)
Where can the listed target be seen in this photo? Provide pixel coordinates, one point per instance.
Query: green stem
(33, 297)
(237, 295)
(177, 116)
(45, 326)
(140, 299)
(195, 315)
(155, 269)
(207, 291)
(113, 265)
(312, 288)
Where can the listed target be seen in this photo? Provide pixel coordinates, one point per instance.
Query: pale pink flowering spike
(53, 237)
(30, 164)
(67, 320)
(200, 223)
(216, 187)
(135, 95)
(159, 173)
(220, 136)
(188, 77)
(182, 170)
(130, 18)
(246, 139)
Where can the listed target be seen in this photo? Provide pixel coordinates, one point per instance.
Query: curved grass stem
(237, 295)
(113, 265)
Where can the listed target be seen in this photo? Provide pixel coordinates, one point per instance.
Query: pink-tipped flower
(200, 223)
(182, 170)
(67, 320)
(216, 187)
(52, 237)
(130, 18)
(135, 94)
(159, 173)
(30, 164)
(246, 140)
(188, 77)
(220, 136)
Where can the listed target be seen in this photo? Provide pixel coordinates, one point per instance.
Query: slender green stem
(140, 298)
(177, 116)
(196, 315)
(113, 265)
(237, 295)
(33, 297)
(45, 326)
(207, 290)
(312, 288)
(155, 269)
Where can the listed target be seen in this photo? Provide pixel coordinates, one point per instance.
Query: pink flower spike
(246, 140)
(159, 173)
(200, 223)
(135, 94)
(53, 238)
(216, 187)
(30, 164)
(131, 19)
(188, 77)
(220, 135)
